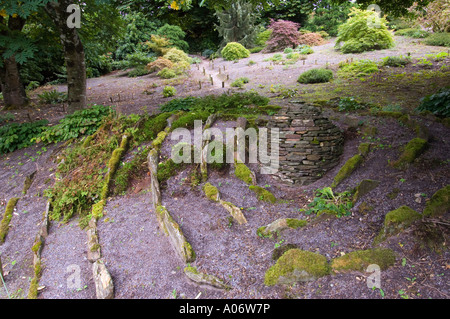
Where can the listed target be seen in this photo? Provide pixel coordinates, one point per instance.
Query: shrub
(438, 103)
(413, 33)
(304, 49)
(175, 35)
(158, 44)
(159, 64)
(288, 50)
(169, 91)
(139, 59)
(311, 39)
(364, 31)
(207, 53)
(396, 61)
(263, 37)
(349, 104)
(316, 76)
(438, 39)
(284, 35)
(256, 49)
(175, 55)
(234, 51)
(325, 201)
(138, 71)
(167, 73)
(240, 82)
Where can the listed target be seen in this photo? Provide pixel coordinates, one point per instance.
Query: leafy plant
(349, 104)
(180, 104)
(316, 76)
(364, 31)
(438, 103)
(138, 71)
(304, 49)
(169, 91)
(15, 136)
(359, 68)
(325, 201)
(82, 122)
(52, 97)
(240, 82)
(175, 35)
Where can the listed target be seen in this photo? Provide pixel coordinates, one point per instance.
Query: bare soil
(140, 257)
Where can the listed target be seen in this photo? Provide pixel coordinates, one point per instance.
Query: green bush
(304, 49)
(138, 71)
(364, 31)
(234, 51)
(175, 55)
(438, 39)
(413, 33)
(82, 122)
(438, 104)
(316, 76)
(325, 201)
(14, 136)
(396, 61)
(169, 91)
(349, 104)
(167, 73)
(175, 35)
(263, 37)
(240, 82)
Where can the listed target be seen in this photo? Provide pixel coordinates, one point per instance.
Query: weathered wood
(153, 160)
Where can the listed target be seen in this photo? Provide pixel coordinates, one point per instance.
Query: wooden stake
(223, 84)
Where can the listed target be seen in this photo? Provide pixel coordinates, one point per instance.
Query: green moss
(191, 269)
(189, 252)
(33, 292)
(439, 203)
(279, 251)
(211, 192)
(393, 195)
(243, 173)
(307, 264)
(187, 119)
(88, 140)
(36, 246)
(159, 140)
(261, 232)
(397, 220)
(411, 151)
(364, 149)
(263, 194)
(359, 260)
(296, 223)
(4, 225)
(347, 169)
(97, 209)
(364, 188)
(167, 169)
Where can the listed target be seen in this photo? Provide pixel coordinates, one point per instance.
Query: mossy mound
(439, 203)
(4, 225)
(211, 192)
(359, 260)
(263, 194)
(364, 149)
(397, 220)
(349, 167)
(411, 151)
(297, 265)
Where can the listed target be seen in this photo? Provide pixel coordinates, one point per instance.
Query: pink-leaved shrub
(284, 35)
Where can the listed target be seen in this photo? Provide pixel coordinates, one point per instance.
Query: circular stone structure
(310, 145)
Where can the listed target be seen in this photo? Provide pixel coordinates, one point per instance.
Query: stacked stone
(310, 145)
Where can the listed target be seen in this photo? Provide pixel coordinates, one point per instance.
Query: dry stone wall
(310, 145)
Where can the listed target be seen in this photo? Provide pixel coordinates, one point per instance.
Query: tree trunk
(73, 54)
(13, 90)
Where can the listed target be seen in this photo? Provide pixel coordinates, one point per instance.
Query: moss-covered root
(173, 230)
(439, 203)
(297, 265)
(396, 221)
(280, 225)
(4, 225)
(113, 165)
(263, 194)
(349, 167)
(411, 151)
(245, 174)
(359, 260)
(204, 279)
